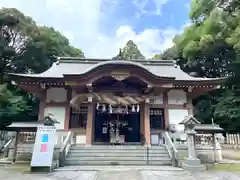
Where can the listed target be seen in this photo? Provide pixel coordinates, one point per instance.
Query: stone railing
(65, 146)
(172, 150)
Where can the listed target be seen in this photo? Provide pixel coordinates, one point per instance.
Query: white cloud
(141, 5)
(149, 41)
(159, 4)
(82, 22)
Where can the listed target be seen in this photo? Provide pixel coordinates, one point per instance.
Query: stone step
(117, 147)
(117, 155)
(120, 154)
(159, 151)
(84, 162)
(117, 158)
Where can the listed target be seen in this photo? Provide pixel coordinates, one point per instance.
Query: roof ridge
(95, 61)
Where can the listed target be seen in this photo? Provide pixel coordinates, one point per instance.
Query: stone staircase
(117, 155)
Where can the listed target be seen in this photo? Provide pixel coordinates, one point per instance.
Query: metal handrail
(65, 148)
(172, 150)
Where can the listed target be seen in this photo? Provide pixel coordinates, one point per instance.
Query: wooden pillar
(146, 120)
(141, 108)
(42, 105)
(67, 110)
(189, 104)
(166, 113)
(89, 129)
(41, 110)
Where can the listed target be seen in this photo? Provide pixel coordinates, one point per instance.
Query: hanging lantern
(133, 108)
(126, 109)
(104, 108)
(138, 108)
(97, 107)
(110, 109)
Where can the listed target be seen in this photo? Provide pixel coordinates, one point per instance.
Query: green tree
(209, 48)
(41, 50)
(35, 46)
(156, 57)
(25, 47)
(6, 51)
(130, 51)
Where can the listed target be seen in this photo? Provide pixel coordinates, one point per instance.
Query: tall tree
(130, 51)
(41, 49)
(208, 48)
(35, 46)
(7, 52)
(25, 47)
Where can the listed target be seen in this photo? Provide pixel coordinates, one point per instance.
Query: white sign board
(44, 145)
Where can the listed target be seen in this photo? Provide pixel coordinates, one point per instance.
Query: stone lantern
(192, 163)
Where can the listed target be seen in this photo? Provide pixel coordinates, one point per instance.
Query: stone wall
(24, 152)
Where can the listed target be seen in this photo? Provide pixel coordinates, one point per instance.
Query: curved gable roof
(76, 66)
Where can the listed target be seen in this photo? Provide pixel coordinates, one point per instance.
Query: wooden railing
(232, 139)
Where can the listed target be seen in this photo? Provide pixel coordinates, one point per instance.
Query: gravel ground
(124, 174)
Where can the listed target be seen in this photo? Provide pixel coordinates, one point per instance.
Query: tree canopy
(25, 47)
(210, 47)
(130, 51)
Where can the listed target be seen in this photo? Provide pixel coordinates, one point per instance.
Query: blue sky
(101, 27)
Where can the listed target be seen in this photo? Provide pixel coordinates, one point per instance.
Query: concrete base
(147, 145)
(44, 169)
(193, 165)
(11, 154)
(88, 145)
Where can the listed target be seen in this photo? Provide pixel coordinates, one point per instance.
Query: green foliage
(130, 51)
(10, 105)
(200, 9)
(157, 57)
(169, 54)
(25, 47)
(210, 47)
(41, 49)
(227, 111)
(203, 109)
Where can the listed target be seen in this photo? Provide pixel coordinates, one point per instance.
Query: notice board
(44, 146)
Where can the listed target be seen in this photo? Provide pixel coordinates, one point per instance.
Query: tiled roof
(76, 66)
(207, 128)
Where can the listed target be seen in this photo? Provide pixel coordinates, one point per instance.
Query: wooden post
(214, 147)
(67, 111)
(141, 109)
(89, 130)
(15, 147)
(166, 114)
(146, 120)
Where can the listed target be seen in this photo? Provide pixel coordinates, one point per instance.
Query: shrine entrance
(117, 125)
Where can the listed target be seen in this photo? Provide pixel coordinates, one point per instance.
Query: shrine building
(100, 99)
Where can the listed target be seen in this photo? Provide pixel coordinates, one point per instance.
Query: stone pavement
(125, 173)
